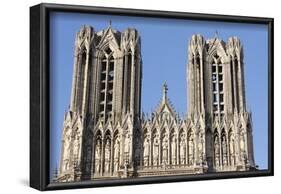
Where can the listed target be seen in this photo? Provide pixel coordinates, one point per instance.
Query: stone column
(177, 150)
(204, 158)
(190, 80)
(187, 148)
(150, 151)
(131, 147)
(227, 148)
(96, 93)
(74, 80)
(92, 83)
(241, 92)
(198, 86)
(78, 84)
(194, 87)
(234, 82)
(118, 86)
(85, 85)
(195, 148)
(228, 84)
(132, 95)
(237, 145)
(202, 84)
(125, 89)
(160, 149)
(169, 148)
(138, 86)
(246, 143)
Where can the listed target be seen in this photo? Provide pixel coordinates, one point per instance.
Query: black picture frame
(39, 94)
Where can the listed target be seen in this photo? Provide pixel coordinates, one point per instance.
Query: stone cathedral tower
(105, 136)
(105, 105)
(217, 96)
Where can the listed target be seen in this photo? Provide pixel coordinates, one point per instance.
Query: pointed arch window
(216, 148)
(106, 83)
(164, 147)
(224, 148)
(217, 86)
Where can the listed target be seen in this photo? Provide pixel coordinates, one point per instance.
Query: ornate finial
(165, 90)
(216, 34)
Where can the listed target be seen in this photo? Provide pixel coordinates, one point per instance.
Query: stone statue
(231, 150)
(201, 146)
(217, 146)
(146, 148)
(66, 164)
(67, 142)
(155, 150)
(116, 155)
(66, 147)
(76, 146)
(97, 156)
(231, 147)
(242, 142)
(107, 155)
(242, 147)
(107, 166)
(98, 151)
(182, 151)
(165, 151)
(174, 148)
(116, 165)
(146, 151)
(224, 150)
(116, 149)
(97, 166)
(107, 150)
(217, 151)
(127, 144)
(191, 150)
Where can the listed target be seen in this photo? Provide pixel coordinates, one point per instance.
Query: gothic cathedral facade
(105, 135)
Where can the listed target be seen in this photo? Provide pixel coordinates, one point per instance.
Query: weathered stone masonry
(106, 136)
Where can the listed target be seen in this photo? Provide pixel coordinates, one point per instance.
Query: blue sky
(167, 61)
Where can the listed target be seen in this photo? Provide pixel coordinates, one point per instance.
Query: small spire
(165, 90)
(216, 34)
(110, 22)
